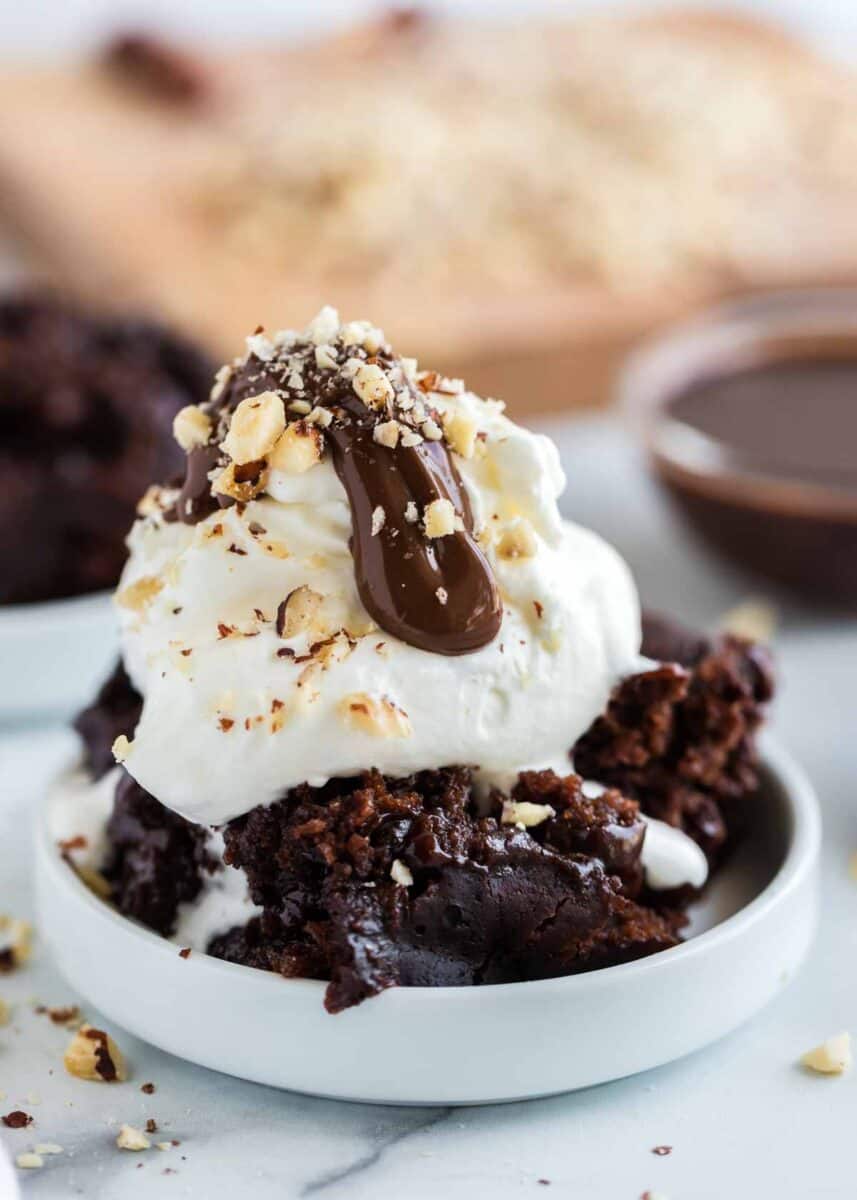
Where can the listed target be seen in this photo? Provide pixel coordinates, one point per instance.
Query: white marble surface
(742, 1118)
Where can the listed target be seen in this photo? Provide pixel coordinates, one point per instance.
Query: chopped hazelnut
(325, 357)
(832, 1057)
(439, 519)
(301, 407)
(378, 519)
(320, 416)
(121, 748)
(297, 450)
(132, 1139)
(442, 595)
(191, 427)
(137, 596)
(220, 381)
(411, 438)
(230, 483)
(412, 514)
(92, 1054)
(400, 873)
(387, 434)
(28, 1161)
(255, 427)
(298, 611)
(524, 813)
(431, 431)
(324, 326)
(460, 431)
(518, 540)
(372, 385)
(378, 716)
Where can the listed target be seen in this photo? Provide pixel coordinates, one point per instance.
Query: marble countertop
(742, 1119)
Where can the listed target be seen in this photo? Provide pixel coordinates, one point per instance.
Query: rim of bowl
(804, 839)
(46, 613)
(735, 335)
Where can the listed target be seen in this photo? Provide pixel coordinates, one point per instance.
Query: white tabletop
(742, 1119)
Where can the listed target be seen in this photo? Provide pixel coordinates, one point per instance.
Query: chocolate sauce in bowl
(792, 420)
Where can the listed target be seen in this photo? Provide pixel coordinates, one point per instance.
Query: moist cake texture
(383, 718)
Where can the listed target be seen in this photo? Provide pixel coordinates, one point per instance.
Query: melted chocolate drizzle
(399, 571)
(438, 594)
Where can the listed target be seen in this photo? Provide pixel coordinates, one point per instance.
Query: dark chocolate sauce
(195, 501)
(435, 593)
(793, 419)
(438, 594)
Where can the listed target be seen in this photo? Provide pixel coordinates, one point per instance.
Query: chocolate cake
(87, 407)
(385, 720)
(490, 903)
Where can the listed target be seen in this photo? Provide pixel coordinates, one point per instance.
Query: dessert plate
(462, 1045)
(55, 654)
(8, 1182)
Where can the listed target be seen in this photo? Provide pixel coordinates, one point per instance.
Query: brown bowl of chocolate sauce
(749, 415)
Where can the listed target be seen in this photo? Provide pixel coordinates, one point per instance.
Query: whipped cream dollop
(247, 635)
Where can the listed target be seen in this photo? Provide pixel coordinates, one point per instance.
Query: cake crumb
(832, 1057)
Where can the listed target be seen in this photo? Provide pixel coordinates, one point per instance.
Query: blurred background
(520, 195)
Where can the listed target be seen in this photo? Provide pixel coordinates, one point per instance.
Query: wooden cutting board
(94, 177)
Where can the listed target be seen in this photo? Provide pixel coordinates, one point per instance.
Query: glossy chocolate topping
(791, 419)
(439, 593)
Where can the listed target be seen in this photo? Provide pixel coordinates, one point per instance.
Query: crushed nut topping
(374, 715)
(298, 611)
(191, 427)
(16, 937)
(137, 596)
(299, 448)
(517, 540)
(378, 519)
(440, 519)
(256, 424)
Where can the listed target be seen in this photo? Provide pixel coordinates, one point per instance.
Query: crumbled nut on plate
(92, 1054)
(29, 1161)
(256, 424)
(832, 1057)
(47, 1148)
(132, 1139)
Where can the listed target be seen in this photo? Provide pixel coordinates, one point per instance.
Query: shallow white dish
(55, 654)
(462, 1045)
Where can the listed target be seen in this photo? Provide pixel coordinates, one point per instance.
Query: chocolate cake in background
(86, 407)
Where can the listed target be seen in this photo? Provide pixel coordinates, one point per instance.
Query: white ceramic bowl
(54, 655)
(462, 1045)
